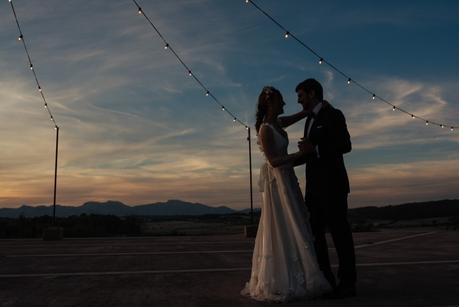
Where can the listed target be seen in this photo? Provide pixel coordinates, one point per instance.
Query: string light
(188, 69)
(335, 68)
(31, 66)
(393, 108)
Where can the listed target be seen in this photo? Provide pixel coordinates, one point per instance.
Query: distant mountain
(429, 209)
(169, 208)
(408, 211)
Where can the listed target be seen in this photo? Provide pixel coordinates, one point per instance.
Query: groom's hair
(311, 85)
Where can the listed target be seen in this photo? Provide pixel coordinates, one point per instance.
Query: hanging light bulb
(207, 93)
(373, 97)
(246, 1)
(442, 126)
(166, 46)
(46, 105)
(321, 61)
(189, 73)
(140, 11)
(349, 81)
(234, 119)
(223, 108)
(427, 122)
(39, 89)
(246, 127)
(452, 128)
(412, 116)
(286, 34)
(31, 67)
(20, 37)
(393, 108)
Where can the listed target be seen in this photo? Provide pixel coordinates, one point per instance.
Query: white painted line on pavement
(395, 240)
(210, 270)
(131, 254)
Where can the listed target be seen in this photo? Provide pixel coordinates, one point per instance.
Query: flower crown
(268, 90)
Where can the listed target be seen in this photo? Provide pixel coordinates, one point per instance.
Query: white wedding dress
(284, 264)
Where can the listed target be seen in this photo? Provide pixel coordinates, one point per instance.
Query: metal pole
(55, 175)
(250, 170)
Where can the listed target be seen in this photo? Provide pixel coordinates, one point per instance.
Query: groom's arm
(289, 120)
(336, 141)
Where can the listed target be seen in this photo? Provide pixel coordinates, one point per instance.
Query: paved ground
(396, 268)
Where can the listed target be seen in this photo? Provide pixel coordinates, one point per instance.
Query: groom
(325, 140)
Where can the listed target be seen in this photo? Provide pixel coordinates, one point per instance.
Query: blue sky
(136, 128)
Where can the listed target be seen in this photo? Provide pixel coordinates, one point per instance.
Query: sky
(136, 128)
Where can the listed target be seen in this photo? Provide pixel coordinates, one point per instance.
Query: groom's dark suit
(327, 187)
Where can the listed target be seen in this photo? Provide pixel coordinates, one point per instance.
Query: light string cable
(188, 70)
(31, 66)
(321, 60)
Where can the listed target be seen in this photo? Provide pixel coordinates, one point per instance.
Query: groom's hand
(305, 146)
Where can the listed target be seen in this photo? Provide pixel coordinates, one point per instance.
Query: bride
(284, 264)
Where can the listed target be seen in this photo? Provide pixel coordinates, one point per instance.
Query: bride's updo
(266, 95)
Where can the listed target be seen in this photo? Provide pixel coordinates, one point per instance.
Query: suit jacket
(325, 170)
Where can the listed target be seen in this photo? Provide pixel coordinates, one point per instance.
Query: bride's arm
(267, 143)
(289, 120)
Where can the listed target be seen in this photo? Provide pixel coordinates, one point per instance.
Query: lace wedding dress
(284, 264)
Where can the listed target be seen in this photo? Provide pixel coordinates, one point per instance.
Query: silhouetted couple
(290, 258)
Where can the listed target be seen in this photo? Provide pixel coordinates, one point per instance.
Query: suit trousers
(330, 212)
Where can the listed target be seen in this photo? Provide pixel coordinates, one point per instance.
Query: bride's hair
(266, 95)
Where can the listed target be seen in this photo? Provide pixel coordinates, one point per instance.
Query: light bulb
(427, 122)
(207, 93)
(349, 81)
(286, 34)
(140, 11)
(189, 73)
(393, 108)
(373, 97)
(166, 46)
(321, 61)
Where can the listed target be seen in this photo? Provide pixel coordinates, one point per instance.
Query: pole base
(250, 231)
(53, 233)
